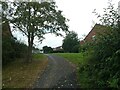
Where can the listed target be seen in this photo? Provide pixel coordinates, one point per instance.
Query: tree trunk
(30, 38)
(30, 45)
(29, 53)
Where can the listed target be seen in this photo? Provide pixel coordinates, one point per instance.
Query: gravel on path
(58, 74)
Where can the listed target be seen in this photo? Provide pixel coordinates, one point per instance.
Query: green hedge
(11, 49)
(102, 70)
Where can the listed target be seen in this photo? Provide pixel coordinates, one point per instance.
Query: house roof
(95, 30)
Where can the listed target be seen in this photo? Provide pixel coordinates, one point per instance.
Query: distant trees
(47, 49)
(71, 43)
(34, 19)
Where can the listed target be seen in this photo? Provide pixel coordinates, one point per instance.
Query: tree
(107, 43)
(11, 48)
(47, 49)
(110, 16)
(102, 70)
(71, 42)
(35, 19)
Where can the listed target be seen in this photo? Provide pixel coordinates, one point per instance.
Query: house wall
(95, 30)
(89, 37)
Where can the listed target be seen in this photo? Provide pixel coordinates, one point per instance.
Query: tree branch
(20, 29)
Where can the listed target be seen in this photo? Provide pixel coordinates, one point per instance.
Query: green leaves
(40, 18)
(35, 19)
(47, 49)
(102, 69)
(110, 16)
(71, 42)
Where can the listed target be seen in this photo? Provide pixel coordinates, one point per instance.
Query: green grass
(75, 58)
(21, 75)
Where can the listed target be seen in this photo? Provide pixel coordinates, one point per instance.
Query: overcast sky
(79, 12)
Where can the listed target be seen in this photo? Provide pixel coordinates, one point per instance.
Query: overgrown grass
(21, 75)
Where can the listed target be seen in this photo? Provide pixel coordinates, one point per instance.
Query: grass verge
(21, 75)
(75, 58)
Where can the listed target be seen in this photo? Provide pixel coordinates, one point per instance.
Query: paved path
(58, 74)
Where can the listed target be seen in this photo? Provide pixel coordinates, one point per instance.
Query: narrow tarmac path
(58, 74)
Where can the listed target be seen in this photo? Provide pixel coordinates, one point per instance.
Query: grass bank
(21, 75)
(75, 58)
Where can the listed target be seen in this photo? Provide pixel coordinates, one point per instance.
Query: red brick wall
(89, 37)
(95, 30)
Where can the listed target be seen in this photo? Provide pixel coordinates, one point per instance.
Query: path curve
(58, 74)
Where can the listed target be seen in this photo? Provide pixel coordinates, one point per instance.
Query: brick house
(91, 35)
(6, 32)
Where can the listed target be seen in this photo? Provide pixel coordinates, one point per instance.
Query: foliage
(71, 43)
(34, 19)
(102, 69)
(47, 49)
(110, 16)
(11, 49)
(86, 47)
(7, 51)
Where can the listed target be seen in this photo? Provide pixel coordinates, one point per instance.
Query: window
(93, 37)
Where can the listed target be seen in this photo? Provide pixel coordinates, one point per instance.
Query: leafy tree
(110, 16)
(11, 48)
(71, 42)
(108, 42)
(47, 49)
(102, 71)
(35, 19)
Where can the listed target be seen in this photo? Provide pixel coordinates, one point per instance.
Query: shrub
(102, 69)
(11, 49)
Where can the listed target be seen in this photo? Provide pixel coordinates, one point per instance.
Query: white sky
(79, 12)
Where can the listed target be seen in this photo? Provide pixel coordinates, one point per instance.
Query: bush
(7, 50)
(20, 49)
(11, 49)
(102, 69)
